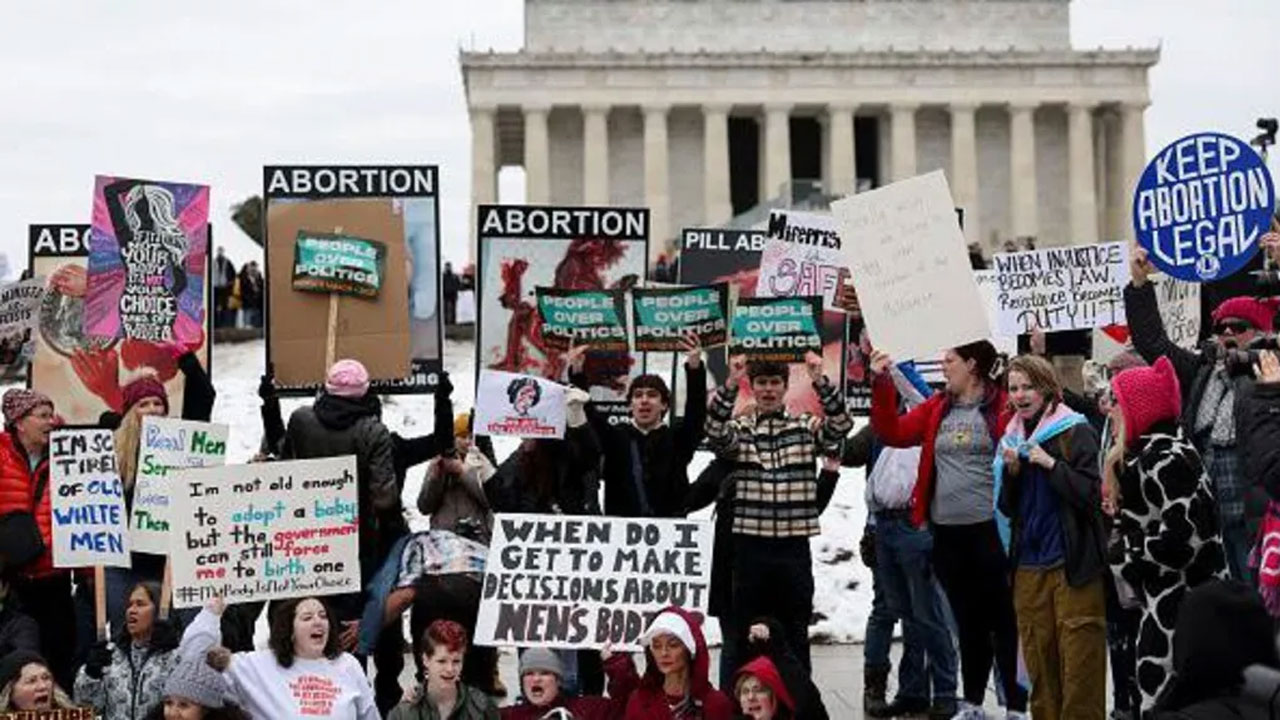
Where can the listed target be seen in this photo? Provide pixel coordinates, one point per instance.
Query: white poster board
(988, 284)
(910, 266)
(87, 500)
(464, 313)
(1179, 303)
(265, 531)
(569, 581)
(788, 269)
(168, 444)
(1061, 288)
(512, 405)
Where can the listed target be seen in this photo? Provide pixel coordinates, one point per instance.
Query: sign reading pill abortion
(1201, 205)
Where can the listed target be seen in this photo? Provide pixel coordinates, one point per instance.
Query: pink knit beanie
(347, 378)
(1146, 396)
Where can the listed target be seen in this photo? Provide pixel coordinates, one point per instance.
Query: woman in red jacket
(958, 431)
(43, 591)
(676, 684)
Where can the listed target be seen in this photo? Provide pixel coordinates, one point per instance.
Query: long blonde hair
(61, 700)
(128, 439)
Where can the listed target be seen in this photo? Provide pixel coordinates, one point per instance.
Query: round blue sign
(1201, 206)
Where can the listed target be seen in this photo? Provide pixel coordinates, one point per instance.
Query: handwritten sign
(1062, 288)
(910, 266)
(168, 444)
(790, 270)
(665, 315)
(514, 405)
(803, 228)
(1201, 205)
(776, 329)
(19, 317)
(1179, 303)
(87, 500)
(583, 582)
(597, 318)
(59, 714)
(265, 531)
(989, 287)
(339, 264)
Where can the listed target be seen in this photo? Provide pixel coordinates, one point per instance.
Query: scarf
(1051, 425)
(1265, 558)
(1216, 410)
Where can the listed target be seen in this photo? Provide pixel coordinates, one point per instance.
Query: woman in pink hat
(1167, 533)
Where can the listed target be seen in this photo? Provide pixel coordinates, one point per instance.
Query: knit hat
(1252, 310)
(763, 669)
(462, 425)
(541, 659)
(1146, 396)
(142, 387)
(669, 623)
(19, 402)
(12, 664)
(193, 679)
(347, 378)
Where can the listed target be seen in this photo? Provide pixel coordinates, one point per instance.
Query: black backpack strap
(42, 480)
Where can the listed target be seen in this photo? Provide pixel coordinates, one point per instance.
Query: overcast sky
(209, 92)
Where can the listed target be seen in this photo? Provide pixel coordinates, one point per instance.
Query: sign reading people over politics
(566, 581)
(1061, 288)
(87, 500)
(1201, 206)
(663, 317)
(776, 329)
(595, 318)
(512, 405)
(341, 264)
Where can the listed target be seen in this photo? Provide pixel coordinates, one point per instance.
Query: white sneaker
(966, 711)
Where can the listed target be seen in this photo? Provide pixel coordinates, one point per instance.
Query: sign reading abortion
(1201, 205)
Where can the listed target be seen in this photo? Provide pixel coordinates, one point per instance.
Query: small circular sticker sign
(1201, 206)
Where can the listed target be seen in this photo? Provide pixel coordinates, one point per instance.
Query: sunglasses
(1235, 327)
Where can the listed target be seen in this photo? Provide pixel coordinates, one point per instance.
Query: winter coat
(555, 477)
(798, 681)
(622, 681)
(17, 631)
(649, 702)
(715, 485)
(133, 684)
(1262, 436)
(18, 487)
(664, 454)
(472, 705)
(449, 499)
(919, 426)
(1075, 482)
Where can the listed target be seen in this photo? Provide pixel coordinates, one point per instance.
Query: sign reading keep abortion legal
(1201, 205)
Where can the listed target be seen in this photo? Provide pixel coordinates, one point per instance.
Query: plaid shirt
(775, 456)
(1224, 468)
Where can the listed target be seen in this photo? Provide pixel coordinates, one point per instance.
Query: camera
(1240, 362)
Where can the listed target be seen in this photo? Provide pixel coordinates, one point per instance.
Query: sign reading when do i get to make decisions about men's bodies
(1062, 288)
(1201, 205)
(586, 582)
(265, 531)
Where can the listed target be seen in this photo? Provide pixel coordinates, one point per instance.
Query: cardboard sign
(791, 270)
(1179, 303)
(567, 581)
(595, 318)
(989, 287)
(19, 316)
(776, 329)
(168, 444)
(87, 499)
(148, 248)
(398, 334)
(523, 406)
(1201, 205)
(1062, 288)
(664, 316)
(341, 264)
(911, 267)
(265, 531)
(82, 374)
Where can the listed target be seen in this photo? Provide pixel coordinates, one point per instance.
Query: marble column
(1022, 170)
(902, 133)
(484, 173)
(1083, 194)
(777, 162)
(1133, 158)
(537, 155)
(716, 202)
(842, 166)
(657, 194)
(964, 168)
(1117, 193)
(595, 154)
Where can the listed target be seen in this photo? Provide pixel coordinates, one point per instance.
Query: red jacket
(622, 680)
(649, 702)
(919, 426)
(17, 486)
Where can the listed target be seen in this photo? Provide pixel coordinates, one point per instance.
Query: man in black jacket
(646, 461)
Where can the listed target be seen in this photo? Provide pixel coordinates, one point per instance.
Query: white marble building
(704, 109)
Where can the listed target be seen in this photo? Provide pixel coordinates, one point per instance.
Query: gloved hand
(444, 387)
(98, 661)
(575, 411)
(267, 385)
(867, 547)
(218, 658)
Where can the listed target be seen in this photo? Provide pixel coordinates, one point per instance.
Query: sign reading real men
(1201, 206)
(340, 264)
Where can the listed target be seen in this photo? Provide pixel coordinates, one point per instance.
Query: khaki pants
(1064, 643)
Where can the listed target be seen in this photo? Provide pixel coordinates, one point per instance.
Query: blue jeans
(1237, 545)
(880, 623)
(903, 554)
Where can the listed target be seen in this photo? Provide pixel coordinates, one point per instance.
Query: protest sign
(514, 405)
(911, 267)
(664, 316)
(1179, 303)
(466, 310)
(82, 374)
(1201, 205)
(523, 247)
(397, 334)
(87, 500)
(804, 228)
(595, 318)
(340, 264)
(148, 249)
(164, 445)
(1061, 288)
(566, 581)
(776, 329)
(265, 531)
(989, 288)
(19, 316)
(792, 270)
(59, 714)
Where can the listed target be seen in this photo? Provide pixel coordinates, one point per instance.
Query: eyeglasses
(1235, 327)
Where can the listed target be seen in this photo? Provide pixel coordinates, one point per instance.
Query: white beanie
(669, 623)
